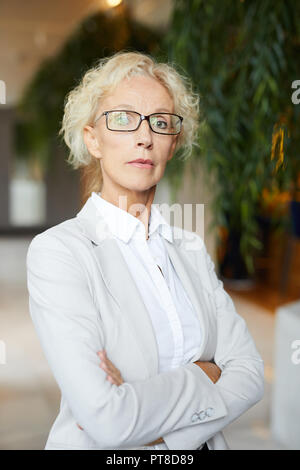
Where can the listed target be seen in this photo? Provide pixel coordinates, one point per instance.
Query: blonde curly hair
(82, 102)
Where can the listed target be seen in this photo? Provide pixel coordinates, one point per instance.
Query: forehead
(140, 91)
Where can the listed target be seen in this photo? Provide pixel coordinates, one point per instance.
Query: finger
(113, 378)
(108, 369)
(111, 368)
(108, 365)
(110, 373)
(104, 362)
(100, 354)
(114, 381)
(104, 358)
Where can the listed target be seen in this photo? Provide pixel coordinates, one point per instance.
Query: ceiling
(32, 30)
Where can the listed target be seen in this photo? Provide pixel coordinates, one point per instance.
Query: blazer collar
(121, 285)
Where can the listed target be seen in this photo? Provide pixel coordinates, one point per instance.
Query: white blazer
(82, 298)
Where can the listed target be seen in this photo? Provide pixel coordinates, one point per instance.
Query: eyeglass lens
(129, 121)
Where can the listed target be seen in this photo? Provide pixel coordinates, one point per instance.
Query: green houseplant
(242, 57)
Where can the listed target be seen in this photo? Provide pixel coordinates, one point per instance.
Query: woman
(143, 341)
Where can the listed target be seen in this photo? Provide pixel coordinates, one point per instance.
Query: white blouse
(175, 323)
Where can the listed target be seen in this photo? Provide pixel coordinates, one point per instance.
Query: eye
(160, 122)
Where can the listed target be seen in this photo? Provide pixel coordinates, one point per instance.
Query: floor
(29, 397)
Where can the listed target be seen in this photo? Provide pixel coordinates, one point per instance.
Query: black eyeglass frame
(142, 118)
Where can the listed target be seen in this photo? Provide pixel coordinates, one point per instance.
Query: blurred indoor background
(243, 58)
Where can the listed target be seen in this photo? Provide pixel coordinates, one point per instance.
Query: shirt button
(209, 412)
(202, 415)
(194, 417)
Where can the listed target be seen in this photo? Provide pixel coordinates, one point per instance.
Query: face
(115, 149)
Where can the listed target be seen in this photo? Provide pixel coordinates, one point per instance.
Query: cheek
(167, 148)
(113, 149)
(112, 141)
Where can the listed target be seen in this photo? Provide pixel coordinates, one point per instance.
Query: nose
(144, 135)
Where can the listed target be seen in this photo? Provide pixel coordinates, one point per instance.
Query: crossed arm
(70, 331)
(114, 376)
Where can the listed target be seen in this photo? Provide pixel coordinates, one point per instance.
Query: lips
(141, 160)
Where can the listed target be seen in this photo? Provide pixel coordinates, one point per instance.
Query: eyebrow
(129, 106)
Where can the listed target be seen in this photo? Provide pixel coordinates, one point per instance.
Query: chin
(140, 187)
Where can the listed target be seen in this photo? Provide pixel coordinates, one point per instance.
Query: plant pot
(233, 269)
(295, 218)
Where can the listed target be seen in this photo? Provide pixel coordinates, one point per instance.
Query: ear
(91, 141)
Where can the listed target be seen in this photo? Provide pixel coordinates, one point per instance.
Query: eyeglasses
(127, 121)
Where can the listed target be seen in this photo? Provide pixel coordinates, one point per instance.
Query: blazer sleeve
(241, 384)
(69, 327)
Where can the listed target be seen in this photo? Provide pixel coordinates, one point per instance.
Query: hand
(113, 374)
(160, 440)
(211, 369)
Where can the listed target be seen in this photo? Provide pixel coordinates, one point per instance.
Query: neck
(136, 203)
